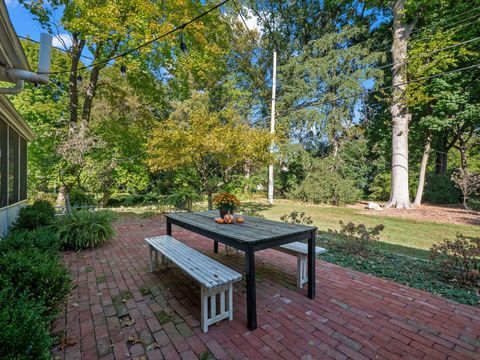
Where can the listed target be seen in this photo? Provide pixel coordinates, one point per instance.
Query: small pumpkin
(219, 220)
(240, 219)
(228, 218)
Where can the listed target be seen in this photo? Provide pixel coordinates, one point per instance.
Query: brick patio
(120, 311)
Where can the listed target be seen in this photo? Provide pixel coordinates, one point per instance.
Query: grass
(403, 236)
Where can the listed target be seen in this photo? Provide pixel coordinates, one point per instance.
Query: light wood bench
(300, 250)
(216, 279)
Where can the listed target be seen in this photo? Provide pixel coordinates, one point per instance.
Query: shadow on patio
(119, 310)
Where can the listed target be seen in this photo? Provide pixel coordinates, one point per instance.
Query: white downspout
(19, 76)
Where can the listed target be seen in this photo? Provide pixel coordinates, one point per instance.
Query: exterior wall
(8, 216)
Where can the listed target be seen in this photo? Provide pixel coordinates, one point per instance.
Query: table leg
(251, 292)
(311, 266)
(215, 247)
(169, 228)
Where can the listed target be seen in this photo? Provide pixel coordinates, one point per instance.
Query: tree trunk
(77, 48)
(90, 94)
(399, 196)
(247, 170)
(463, 153)
(423, 170)
(210, 199)
(63, 198)
(104, 200)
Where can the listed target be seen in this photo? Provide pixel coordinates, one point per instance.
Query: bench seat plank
(299, 248)
(207, 271)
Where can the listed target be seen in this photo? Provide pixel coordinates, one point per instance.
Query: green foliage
(183, 198)
(406, 270)
(440, 189)
(357, 239)
(474, 204)
(80, 198)
(41, 274)
(297, 218)
(380, 187)
(324, 185)
(459, 259)
(123, 199)
(85, 229)
(212, 143)
(23, 330)
(43, 239)
(30, 217)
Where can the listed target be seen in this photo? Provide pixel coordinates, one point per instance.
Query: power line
(55, 47)
(129, 51)
(423, 78)
(422, 55)
(243, 20)
(423, 36)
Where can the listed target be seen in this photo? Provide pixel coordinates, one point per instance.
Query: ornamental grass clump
(85, 229)
(226, 202)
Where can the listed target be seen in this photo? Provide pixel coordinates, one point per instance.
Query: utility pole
(272, 127)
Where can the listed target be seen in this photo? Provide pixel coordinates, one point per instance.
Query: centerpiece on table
(226, 203)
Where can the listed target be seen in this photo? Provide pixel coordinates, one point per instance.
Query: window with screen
(3, 164)
(23, 169)
(13, 160)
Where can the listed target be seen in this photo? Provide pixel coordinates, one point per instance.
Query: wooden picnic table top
(253, 231)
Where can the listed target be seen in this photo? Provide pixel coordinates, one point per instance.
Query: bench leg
(302, 273)
(204, 309)
(230, 302)
(150, 253)
(209, 301)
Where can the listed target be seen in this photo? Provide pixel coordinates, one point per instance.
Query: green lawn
(401, 235)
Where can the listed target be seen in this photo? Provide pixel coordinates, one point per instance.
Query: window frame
(21, 176)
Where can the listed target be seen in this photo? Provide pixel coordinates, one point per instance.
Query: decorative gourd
(228, 218)
(219, 220)
(240, 219)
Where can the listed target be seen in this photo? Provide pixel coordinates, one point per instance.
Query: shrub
(183, 198)
(327, 187)
(40, 213)
(356, 239)
(459, 259)
(474, 204)
(43, 239)
(468, 183)
(85, 229)
(79, 198)
(440, 189)
(23, 331)
(297, 218)
(40, 274)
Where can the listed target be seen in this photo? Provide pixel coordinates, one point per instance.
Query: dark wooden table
(253, 235)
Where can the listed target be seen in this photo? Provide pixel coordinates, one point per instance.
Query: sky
(25, 25)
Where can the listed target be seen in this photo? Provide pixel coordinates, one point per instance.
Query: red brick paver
(121, 311)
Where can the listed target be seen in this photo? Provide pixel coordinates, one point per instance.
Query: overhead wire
(147, 43)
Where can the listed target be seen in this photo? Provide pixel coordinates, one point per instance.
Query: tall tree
(401, 116)
(107, 30)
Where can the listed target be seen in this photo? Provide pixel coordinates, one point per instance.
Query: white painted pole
(272, 127)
